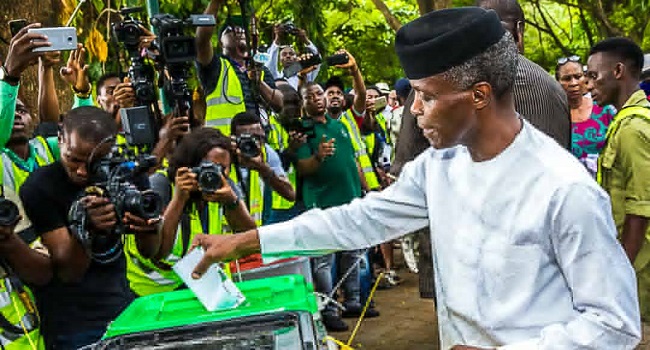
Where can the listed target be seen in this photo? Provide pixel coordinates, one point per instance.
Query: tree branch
(585, 27)
(393, 22)
(549, 31)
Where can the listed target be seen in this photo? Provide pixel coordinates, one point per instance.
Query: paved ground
(406, 321)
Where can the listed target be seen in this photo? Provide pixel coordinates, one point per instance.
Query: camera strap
(13, 284)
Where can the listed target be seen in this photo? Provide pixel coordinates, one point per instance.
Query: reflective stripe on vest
(627, 112)
(360, 150)
(13, 175)
(256, 193)
(146, 278)
(221, 108)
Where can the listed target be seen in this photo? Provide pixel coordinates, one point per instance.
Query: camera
(248, 145)
(9, 214)
(303, 126)
(289, 27)
(129, 31)
(122, 177)
(177, 51)
(335, 60)
(208, 175)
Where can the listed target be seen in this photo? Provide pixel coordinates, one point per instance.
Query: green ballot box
(279, 313)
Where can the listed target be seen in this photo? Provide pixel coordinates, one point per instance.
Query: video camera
(177, 51)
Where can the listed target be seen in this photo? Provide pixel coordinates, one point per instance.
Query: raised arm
(204, 50)
(48, 102)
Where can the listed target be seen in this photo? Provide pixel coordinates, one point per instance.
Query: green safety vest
(146, 277)
(279, 141)
(15, 175)
(360, 150)
(226, 100)
(15, 311)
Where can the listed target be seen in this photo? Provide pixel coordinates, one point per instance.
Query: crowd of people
(533, 191)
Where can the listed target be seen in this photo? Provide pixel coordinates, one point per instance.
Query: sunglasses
(564, 60)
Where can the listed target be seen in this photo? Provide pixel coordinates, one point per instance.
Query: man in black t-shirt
(85, 293)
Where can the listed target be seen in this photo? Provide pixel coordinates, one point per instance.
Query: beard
(335, 110)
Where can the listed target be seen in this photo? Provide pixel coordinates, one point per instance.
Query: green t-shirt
(337, 180)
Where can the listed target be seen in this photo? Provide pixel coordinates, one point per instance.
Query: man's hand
(124, 94)
(75, 73)
(296, 140)
(220, 248)
(352, 62)
(302, 35)
(21, 54)
(255, 74)
(224, 195)
(50, 59)
(325, 148)
(137, 224)
(101, 213)
(174, 128)
(147, 38)
(278, 34)
(7, 231)
(186, 182)
(303, 73)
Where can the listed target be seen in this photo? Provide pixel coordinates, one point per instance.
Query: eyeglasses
(564, 60)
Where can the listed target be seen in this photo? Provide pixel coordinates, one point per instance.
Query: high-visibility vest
(146, 277)
(13, 173)
(360, 150)
(226, 100)
(279, 140)
(15, 311)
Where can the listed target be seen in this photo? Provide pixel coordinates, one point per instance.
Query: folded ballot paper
(214, 289)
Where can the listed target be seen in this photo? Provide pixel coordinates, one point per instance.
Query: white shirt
(272, 65)
(524, 246)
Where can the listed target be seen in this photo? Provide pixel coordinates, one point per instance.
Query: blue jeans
(321, 267)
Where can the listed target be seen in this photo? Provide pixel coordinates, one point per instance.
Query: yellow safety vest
(360, 150)
(13, 174)
(15, 311)
(226, 100)
(279, 140)
(146, 277)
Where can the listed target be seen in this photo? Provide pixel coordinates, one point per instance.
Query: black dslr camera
(302, 125)
(128, 33)
(208, 175)
(9, 213)
(248, 145)
(289, 27)
(123, 179)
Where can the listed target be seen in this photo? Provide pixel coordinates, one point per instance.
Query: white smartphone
(62, 38)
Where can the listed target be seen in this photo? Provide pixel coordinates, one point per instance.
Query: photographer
(287, 54)
(286, 139)
(259, 168)
(88, 288)
(230, 86)
(196, 202)
(20, 264)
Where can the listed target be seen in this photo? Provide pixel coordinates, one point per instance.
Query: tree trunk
(393, 22)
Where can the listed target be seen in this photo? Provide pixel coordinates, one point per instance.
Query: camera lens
(70, 39)
(209, 180)
(8, 212)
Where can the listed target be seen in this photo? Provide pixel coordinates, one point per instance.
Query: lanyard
(28, 165)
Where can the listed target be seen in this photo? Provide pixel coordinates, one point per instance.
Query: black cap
(443, 39)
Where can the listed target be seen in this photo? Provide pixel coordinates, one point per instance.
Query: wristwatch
(4, 76)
